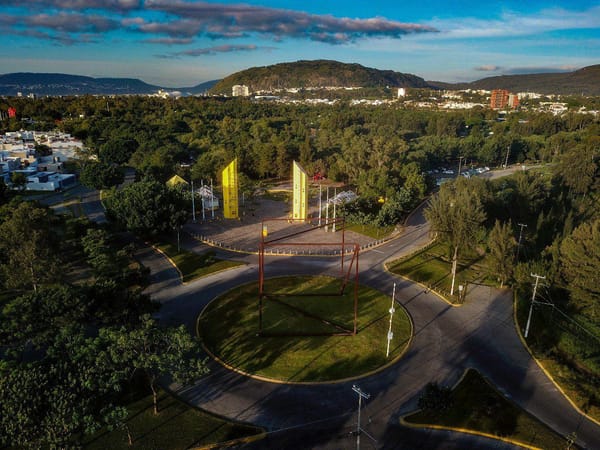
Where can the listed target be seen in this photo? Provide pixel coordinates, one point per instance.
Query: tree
(100, 175)
(18, 180)
(456, 216)
(580, 266)
(28, 246)
(42, 150)
(33, 318)
(51, 402)
(147, 207)
(157, 352)
(501, 247)
(3, 191)
(578, 168)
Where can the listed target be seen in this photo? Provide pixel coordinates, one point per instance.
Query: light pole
(537, 279)
(193, 203)
(361, 395)
(327, 211)
(202, 192)
(320, 195)
(390, 334)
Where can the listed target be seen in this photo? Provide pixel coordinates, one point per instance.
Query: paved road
(447, 340)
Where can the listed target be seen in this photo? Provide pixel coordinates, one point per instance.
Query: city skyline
(183, 43)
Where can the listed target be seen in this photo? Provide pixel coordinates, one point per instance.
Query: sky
(179, 43)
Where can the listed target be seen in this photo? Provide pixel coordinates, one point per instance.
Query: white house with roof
(50, 181)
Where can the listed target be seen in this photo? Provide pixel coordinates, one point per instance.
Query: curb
(226, 444)
(158, 250)
(465, 430)
(541, 366)
(300, 383)
(427, 289)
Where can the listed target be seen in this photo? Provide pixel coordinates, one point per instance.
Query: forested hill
(64, 84)
(584, 81)
(313, 74)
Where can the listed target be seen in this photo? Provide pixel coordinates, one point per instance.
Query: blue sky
(178, 43)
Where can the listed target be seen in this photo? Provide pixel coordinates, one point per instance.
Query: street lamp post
(390, 334)
(193, 203)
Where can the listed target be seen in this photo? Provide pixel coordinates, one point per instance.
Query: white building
(50, 181)
(240, 90)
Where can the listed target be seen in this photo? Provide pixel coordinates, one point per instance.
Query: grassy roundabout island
(229, 328)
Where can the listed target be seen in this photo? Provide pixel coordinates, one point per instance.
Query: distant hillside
(199, 88)
(63, 84)
(319, 73)
(584, 81)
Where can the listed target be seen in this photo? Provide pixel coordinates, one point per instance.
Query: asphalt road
(447, 340)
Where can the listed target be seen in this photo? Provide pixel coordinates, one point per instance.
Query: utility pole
(390, 334)
(361, 395)
(522, 225)
(460, 158)
(537, 279)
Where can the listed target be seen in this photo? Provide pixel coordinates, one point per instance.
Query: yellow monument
(230, 191)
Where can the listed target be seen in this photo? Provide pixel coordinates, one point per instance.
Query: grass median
(432, 267)
(229, 327)
(475, 405)
(194, 265)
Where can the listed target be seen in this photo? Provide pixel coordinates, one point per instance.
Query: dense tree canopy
(580, 252)
(148, 208)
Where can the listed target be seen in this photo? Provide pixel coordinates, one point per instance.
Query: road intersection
(447, 340)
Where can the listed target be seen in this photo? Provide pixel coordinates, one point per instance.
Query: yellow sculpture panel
(300, 198)
(230, 191)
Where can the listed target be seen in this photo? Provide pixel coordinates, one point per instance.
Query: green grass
(570, 355)
(229, 328)
(177, 426)
(477, 406)
(372, 231)
(432, 267)
(194, 265)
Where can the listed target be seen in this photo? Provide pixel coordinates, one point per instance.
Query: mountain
(584, 81)
(301, 74)
(318, 73)
(63, 84)
(199, 88)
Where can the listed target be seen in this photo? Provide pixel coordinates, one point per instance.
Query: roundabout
(312, 349)
(445, 342)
